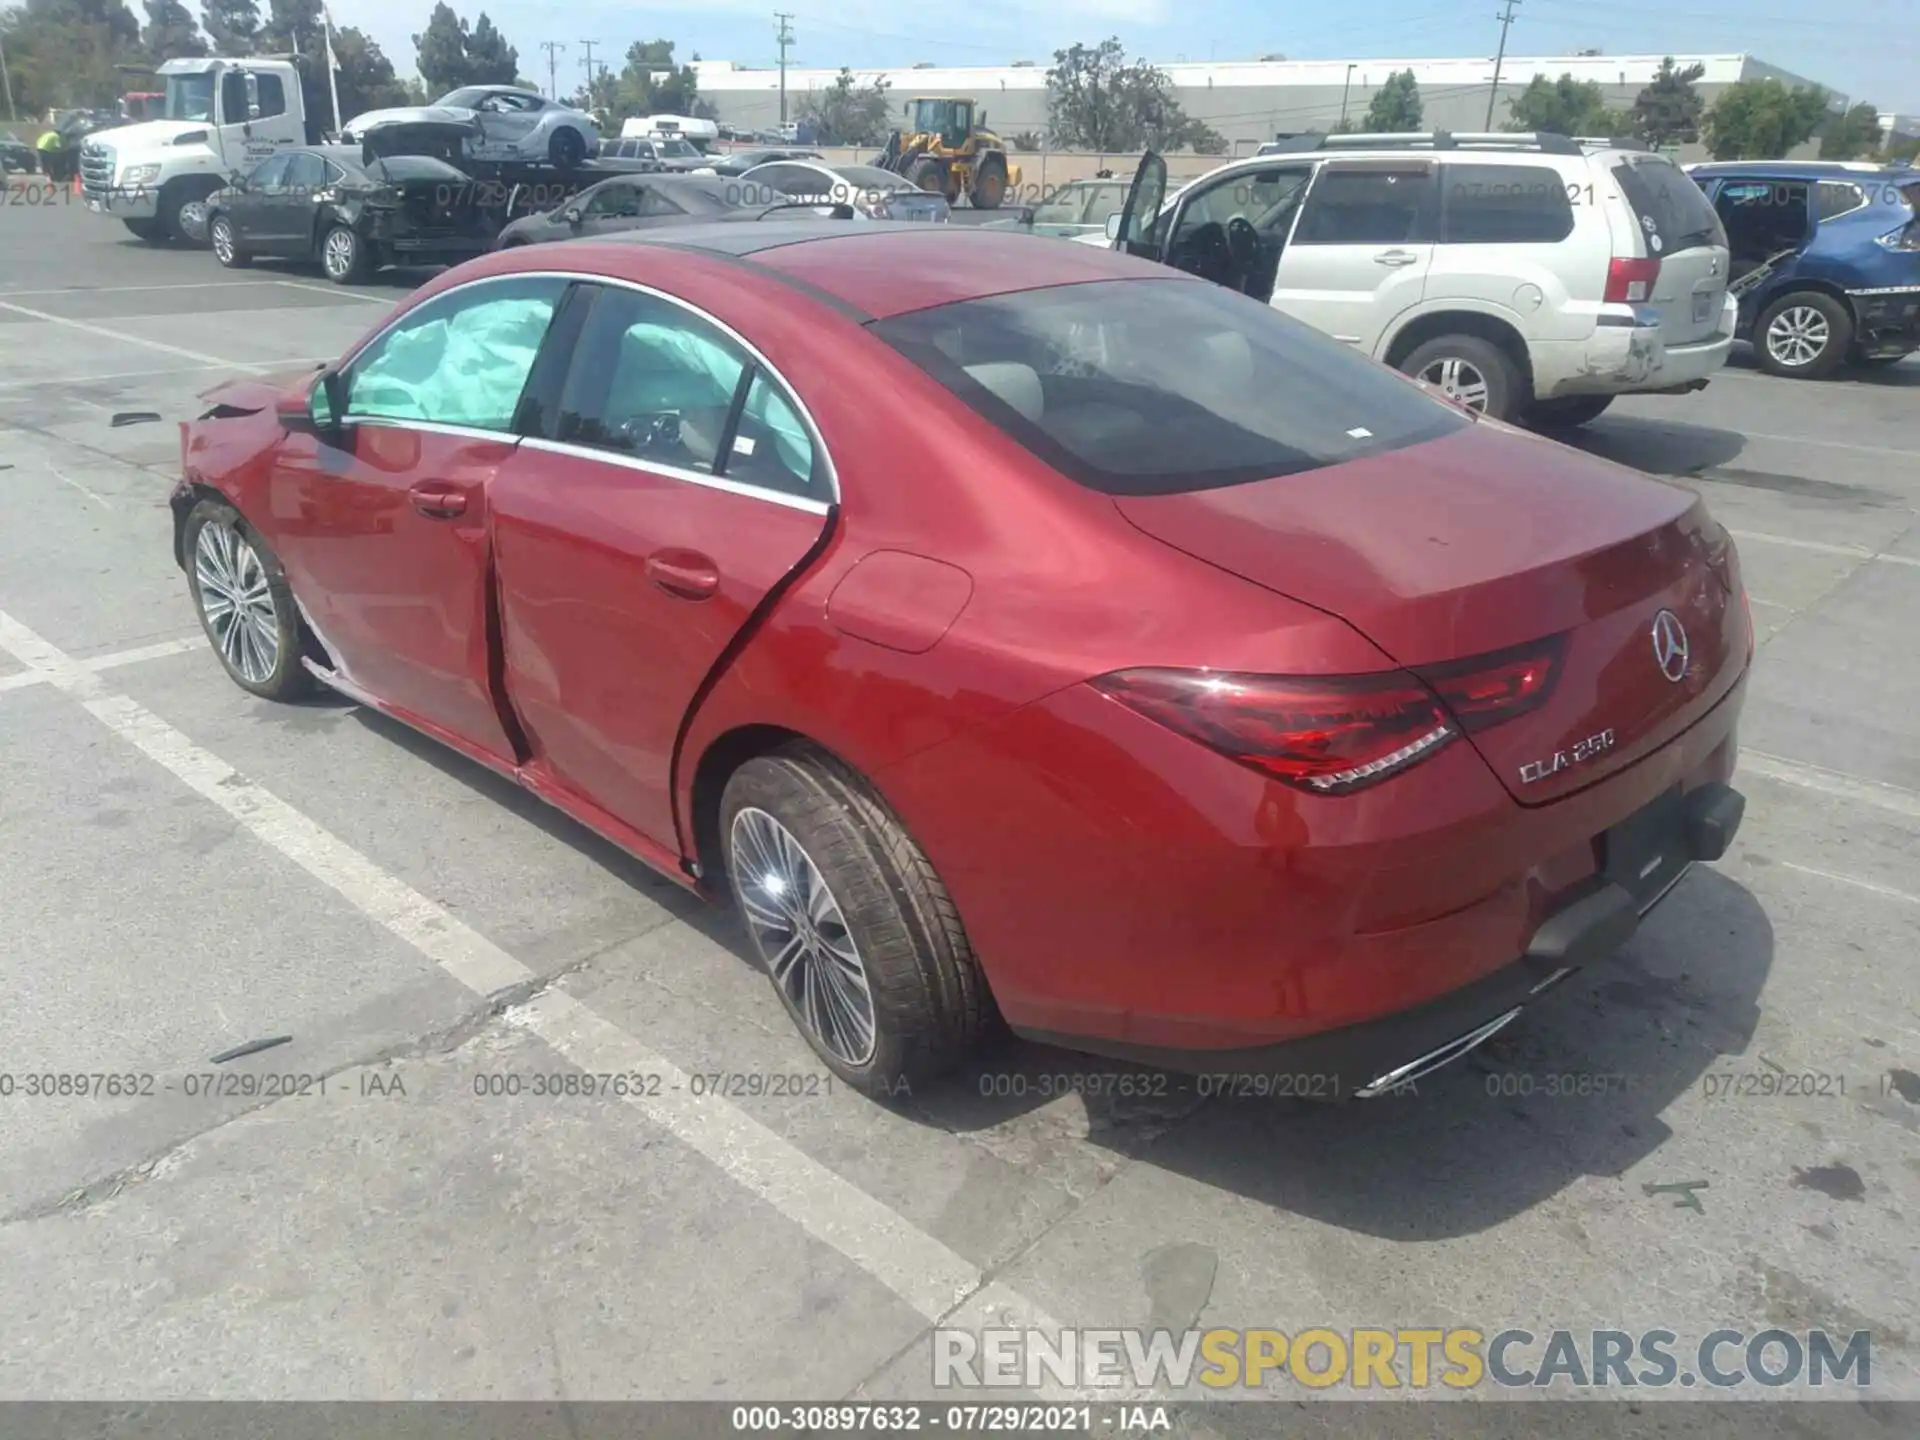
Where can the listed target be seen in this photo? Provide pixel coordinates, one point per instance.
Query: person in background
(54, 157)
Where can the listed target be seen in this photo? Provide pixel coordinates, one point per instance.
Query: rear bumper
(1624, 357)
(1381, 1056)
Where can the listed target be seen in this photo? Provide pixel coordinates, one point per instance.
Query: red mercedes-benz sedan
(1003, 625)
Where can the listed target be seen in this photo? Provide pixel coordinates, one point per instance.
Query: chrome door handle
(1396, 257)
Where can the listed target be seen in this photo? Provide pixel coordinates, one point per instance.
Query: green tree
(1395, 108)
(1099, 100)
(490, 59)
(1667, 110)
(1565, 107)
(170, 33)
(232, 26)
(648, 84)
(847, 113)
(62, 53)
(441, 50)
(290, 25)
(1851, 135)
(1763, 119)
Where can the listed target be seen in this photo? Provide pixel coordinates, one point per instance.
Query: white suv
(1533, 277)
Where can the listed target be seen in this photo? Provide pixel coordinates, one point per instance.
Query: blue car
(1825, 260)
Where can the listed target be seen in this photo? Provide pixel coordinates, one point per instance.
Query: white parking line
(1822, 547)
(338, 292)
(145, 374)
(121, 337)
(139, 289)
(111, 661)
(922, 1271)
(1892, 451)
(1832, 782)
(1868, 885)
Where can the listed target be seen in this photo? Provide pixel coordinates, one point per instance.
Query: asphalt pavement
(185, 869)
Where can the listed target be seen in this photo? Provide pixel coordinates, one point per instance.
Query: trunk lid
(1485, 540)
(1677, 227)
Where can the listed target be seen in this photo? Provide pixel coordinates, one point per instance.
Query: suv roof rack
(1544, 141)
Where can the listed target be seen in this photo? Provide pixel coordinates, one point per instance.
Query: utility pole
(553, 49)
(1506, 23)
(588, 45)
(1346, 86)
(6, 80)
(785, 37)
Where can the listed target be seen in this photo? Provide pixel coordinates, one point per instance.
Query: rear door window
(1368, 205)
(1838, 197)
(306, 173)
(1503, 205)
(1671, 211)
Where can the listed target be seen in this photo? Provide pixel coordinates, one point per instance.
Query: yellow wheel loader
(945, 151)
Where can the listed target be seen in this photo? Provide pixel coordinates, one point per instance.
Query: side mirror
(315, 410)
(573, 215)
(1113, 226)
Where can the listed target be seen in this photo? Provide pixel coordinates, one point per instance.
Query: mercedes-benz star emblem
(1670, 646)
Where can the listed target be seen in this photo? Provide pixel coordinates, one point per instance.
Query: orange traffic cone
(76, 182)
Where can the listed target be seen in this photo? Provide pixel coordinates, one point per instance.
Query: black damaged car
(350, 211)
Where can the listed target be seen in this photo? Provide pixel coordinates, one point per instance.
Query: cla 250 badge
(1565, 759)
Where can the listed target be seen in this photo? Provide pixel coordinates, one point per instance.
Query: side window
(1261, 198)
(771, 448)
(614, 202)
(1372, 205)
(652, 202)
(269, 174)
(1839, 197)
(273, 95)
(459, 359)
(306, 173)
(653, 381)
(1503, 205)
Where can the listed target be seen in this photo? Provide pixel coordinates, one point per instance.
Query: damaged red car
(1003, 627)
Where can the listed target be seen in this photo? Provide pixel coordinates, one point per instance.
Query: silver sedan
(497, 122)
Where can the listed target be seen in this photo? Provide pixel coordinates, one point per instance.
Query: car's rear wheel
(1568, 412)
(861, 940)
(1803, 336)
(244, 604)
(346, 258)
(225, 250)
(567, 149)
(1470, 371)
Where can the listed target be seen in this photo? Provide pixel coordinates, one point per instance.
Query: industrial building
(1248, 101)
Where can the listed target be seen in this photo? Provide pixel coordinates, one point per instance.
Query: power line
(1500, 56)
(785, 37)
(553, 49)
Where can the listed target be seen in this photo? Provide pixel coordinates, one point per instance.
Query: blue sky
(1864, 51)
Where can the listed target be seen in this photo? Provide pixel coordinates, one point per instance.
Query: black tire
(1569, 412)
(1503, 385)
(148, 232)
(927, 173)
(345, 257)
(174, 200)
(225, 248)
(927, 997)
(239, 643)
(1803, 318)
(989, 184)
(567, 149)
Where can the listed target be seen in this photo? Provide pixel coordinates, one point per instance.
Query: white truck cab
(220, 118)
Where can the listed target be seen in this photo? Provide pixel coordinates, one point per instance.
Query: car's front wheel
(225, 249)
(346, 258)
(1804, 336)
(861, 940)
(244, 603)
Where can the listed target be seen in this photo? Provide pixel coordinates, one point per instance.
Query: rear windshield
(1670, 207)
(869, 177)
(1152, 387)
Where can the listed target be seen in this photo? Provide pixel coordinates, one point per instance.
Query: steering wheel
(1243, 242)
(1205, 252)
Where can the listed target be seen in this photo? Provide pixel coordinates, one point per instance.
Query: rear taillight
(1332, 735)
(1907, 237)
(1630, 282)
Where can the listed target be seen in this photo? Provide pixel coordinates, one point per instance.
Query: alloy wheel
(223, 242)
(193, 217)
(802, 934)
(340, 252)
(1798, 336)
(237, 601)
(1458, 380)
